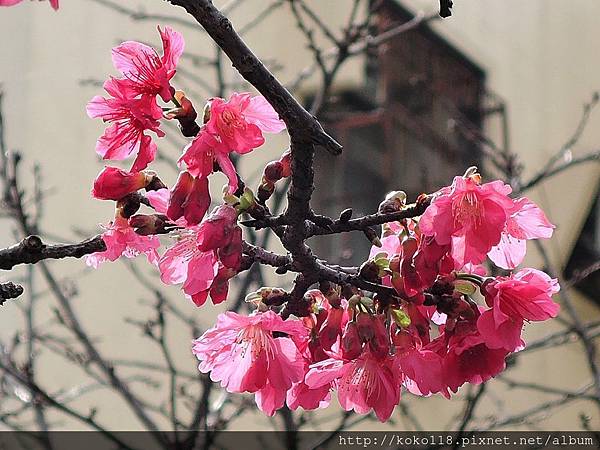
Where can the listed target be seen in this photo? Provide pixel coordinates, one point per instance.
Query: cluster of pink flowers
(429, 337)
(207, 250)
(132, 107)
(432, 340)
(236, 125)
(53, 3)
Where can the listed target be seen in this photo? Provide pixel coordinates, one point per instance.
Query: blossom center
(467, 209)
(231, 121)
(364, 376)
(255, 339)
(145, 77)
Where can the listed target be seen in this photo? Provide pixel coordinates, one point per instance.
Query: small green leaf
(465, 287)
(401, 318)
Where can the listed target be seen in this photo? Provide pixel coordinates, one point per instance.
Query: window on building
(586, 253)
(396, 130)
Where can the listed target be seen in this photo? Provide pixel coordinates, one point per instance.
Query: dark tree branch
(32, 250)
(9, 290)
(266, 257)
(360, 223)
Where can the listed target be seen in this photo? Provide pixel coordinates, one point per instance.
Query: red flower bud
(286, 164)
(365, 327)
(220, 286)
(231, 255)
(179, 193)
(331, 328)
(145, 225)
(189, 198)
(197, 202)
(114, 184)
(351, 344)
(380, 343)
(216, 230)
(273, 171)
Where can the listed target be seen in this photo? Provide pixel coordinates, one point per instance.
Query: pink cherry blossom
(159, 200)
(184, 264)
(526, 221)
(53, 3)
(240, 121)
(122, 240)
(469, 360)
(201, 155)
(217, 228)
(130, 119)
(362, 384)
(524, 296)
(114, 184)
(243, 355)
(300, 395)
(469, 216)
(234, 125)
(310, 347)
(422, 369)
(205, 256)
(146, 72)
(431, 260)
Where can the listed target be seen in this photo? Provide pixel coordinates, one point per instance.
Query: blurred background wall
(538, 57)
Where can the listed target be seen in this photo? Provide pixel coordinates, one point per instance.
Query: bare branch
(32, 250)
(9, 290)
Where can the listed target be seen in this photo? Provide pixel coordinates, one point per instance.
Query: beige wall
(540, 56)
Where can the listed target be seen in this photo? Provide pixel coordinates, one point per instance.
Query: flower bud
(216, 230)
(114, 184)
(369, 270)
(145, 225)
(264, 191)
(365, 327)
(346, 215)
(274, 296)
(395, 201)
(185, 110)
(231, 255)
(273, 171)
(179, 193)
(371, 235)
(286, 164)
(380, 343)
(351, 344)
(331, 328)
(190, 198)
